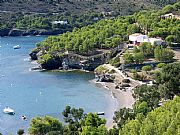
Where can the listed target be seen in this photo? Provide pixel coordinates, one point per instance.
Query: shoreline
(122, 98)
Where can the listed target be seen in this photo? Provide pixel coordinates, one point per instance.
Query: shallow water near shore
(33, 93)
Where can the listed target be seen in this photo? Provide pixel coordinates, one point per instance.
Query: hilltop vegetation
(163, 120)
(80, 6)
(109, 33)
(38, 14)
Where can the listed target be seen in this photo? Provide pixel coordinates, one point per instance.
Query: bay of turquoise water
(34, 93)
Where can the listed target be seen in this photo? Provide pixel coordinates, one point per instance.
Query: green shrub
(146, 68)
(133, 71)
(115, 61)
(160, 65)
(100, 69)
(137, 76)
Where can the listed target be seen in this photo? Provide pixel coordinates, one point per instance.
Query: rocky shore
(20, 32)
(120, 87)
(70, 60)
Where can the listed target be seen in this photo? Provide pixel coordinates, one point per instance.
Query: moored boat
(100, 113)
(17, 47)
(8, 110)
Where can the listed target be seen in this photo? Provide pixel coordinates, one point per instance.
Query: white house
(138, 38)
(171, 15)
(60, 22)
(155, 41)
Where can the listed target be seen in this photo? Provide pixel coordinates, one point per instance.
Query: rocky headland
(69, 60)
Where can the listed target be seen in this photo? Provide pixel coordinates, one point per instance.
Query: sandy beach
(124, 98)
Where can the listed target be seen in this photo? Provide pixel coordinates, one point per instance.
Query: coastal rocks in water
(15, 32)
(70, 60)
(50, 32)
(51, 64)
(105, 78)
(30, 32)
(33, 56)
(4, 32)
(36, 68)
(21, 32)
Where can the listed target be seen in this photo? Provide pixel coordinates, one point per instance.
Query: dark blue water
(33, 93)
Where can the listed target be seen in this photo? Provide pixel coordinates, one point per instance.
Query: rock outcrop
(105, 78)
(4, 32)
(33, 56)
(19, 32)
(15, 32)
(70, 60)
(51, 64)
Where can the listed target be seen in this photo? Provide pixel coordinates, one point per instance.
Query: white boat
(8, 110)
(100, 113)
(17, 47)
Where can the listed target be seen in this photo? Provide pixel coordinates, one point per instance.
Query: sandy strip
(123, 98)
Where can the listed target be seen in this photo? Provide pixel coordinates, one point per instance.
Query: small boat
(17, 47)
(8, 110)
(100, 113)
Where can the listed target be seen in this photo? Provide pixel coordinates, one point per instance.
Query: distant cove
(33, 93)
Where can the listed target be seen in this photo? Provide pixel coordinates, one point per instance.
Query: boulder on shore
(33, 56)
(105, 78)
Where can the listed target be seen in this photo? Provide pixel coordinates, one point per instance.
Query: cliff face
(75, 61)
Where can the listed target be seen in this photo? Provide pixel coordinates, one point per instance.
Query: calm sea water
(33, 93)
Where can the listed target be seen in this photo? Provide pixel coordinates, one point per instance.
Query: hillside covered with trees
(80, 6)
(109, 33)
(38, 14)
(162, 120)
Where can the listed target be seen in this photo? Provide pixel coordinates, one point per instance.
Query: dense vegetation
(167, 86)
(163, 120)
(146, 117)
(168, 80)
(109, 33)
(39, 13)
(45, 21)
(80, 7)
(105, 34)
(145, 51)
(77, 123)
